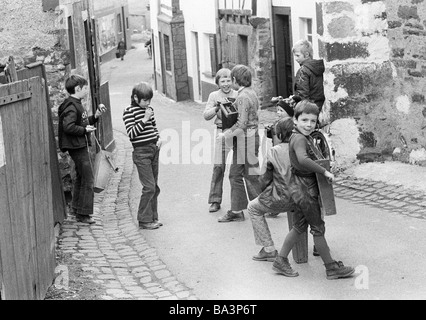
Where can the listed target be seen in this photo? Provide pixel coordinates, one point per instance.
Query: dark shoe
(85, 219)
(315, 252)
(214, 207)
(336, 270)
(230, 216)
(272, 215)
(282, 266)
(148, 225)
(265, 256)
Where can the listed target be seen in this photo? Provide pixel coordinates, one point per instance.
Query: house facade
(113, 24)
(222, 33)
(374, 52)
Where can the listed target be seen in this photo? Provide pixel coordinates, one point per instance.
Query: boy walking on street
(142, 130)
(304, 193)
(274, 197)
(213, 110)
(309, 83)
(74, 134)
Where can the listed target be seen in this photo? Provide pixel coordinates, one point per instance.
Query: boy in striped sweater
(142, 130)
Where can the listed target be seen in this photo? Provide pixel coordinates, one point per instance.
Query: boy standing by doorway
(309, 83)
(74, 134)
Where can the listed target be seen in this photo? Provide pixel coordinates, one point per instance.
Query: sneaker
(214, 207)
(265, 256)
(231, 216)
(282, 266)
(336, 270)
(148, 225)
(85, 219)
(315, 252)
(158, 222)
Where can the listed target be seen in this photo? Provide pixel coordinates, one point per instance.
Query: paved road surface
(215, 259)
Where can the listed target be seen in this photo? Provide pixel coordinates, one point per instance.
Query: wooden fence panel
(59, 202)
(106, 135)
(27, 238)
(45, 236)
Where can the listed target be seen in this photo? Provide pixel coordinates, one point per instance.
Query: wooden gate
(27, 239)
(37, 69)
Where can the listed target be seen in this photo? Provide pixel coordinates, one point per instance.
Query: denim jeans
(83, 194)
(244, 169)
(262, 234)
(146, 161)
(220, 155)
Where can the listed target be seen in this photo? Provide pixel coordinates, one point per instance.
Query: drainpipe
(219, 35)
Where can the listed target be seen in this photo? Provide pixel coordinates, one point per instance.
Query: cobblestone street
(113, 253)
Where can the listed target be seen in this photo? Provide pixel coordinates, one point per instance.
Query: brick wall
(376, 75)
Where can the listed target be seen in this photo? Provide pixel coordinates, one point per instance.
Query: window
(71, 42)
(238, 49)
(127, 22)
(306, 29)
(167, 53)
(119, 25)
(243, 50)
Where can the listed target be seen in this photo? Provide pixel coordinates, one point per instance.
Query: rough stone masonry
(375, 82)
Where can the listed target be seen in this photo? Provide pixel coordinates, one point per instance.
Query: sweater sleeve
(210, 110)
(306, 163)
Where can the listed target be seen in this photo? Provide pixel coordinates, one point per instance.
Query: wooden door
(283, 51)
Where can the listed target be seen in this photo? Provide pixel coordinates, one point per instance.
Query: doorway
(283, 51)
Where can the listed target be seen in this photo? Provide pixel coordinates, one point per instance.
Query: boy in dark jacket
(310, 77)
(304, 193)
(74, 131)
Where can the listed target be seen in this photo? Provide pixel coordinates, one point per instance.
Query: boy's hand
(101, 109)
(90, 128)
(149, 113)
(329, 176)
(159, 143)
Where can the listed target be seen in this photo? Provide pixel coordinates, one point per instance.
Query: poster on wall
(107, 34)
(2, 152)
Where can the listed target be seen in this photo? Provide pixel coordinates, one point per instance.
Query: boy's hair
(284, 129)
(305, 47)
(73, 81)
(306, 106)
(143, 91)
(224, 72)
(242, 75)
(286, 107)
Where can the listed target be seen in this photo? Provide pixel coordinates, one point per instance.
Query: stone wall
(375, 54)
(33, 35)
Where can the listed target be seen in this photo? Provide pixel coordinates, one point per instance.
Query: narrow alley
(194, 257)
